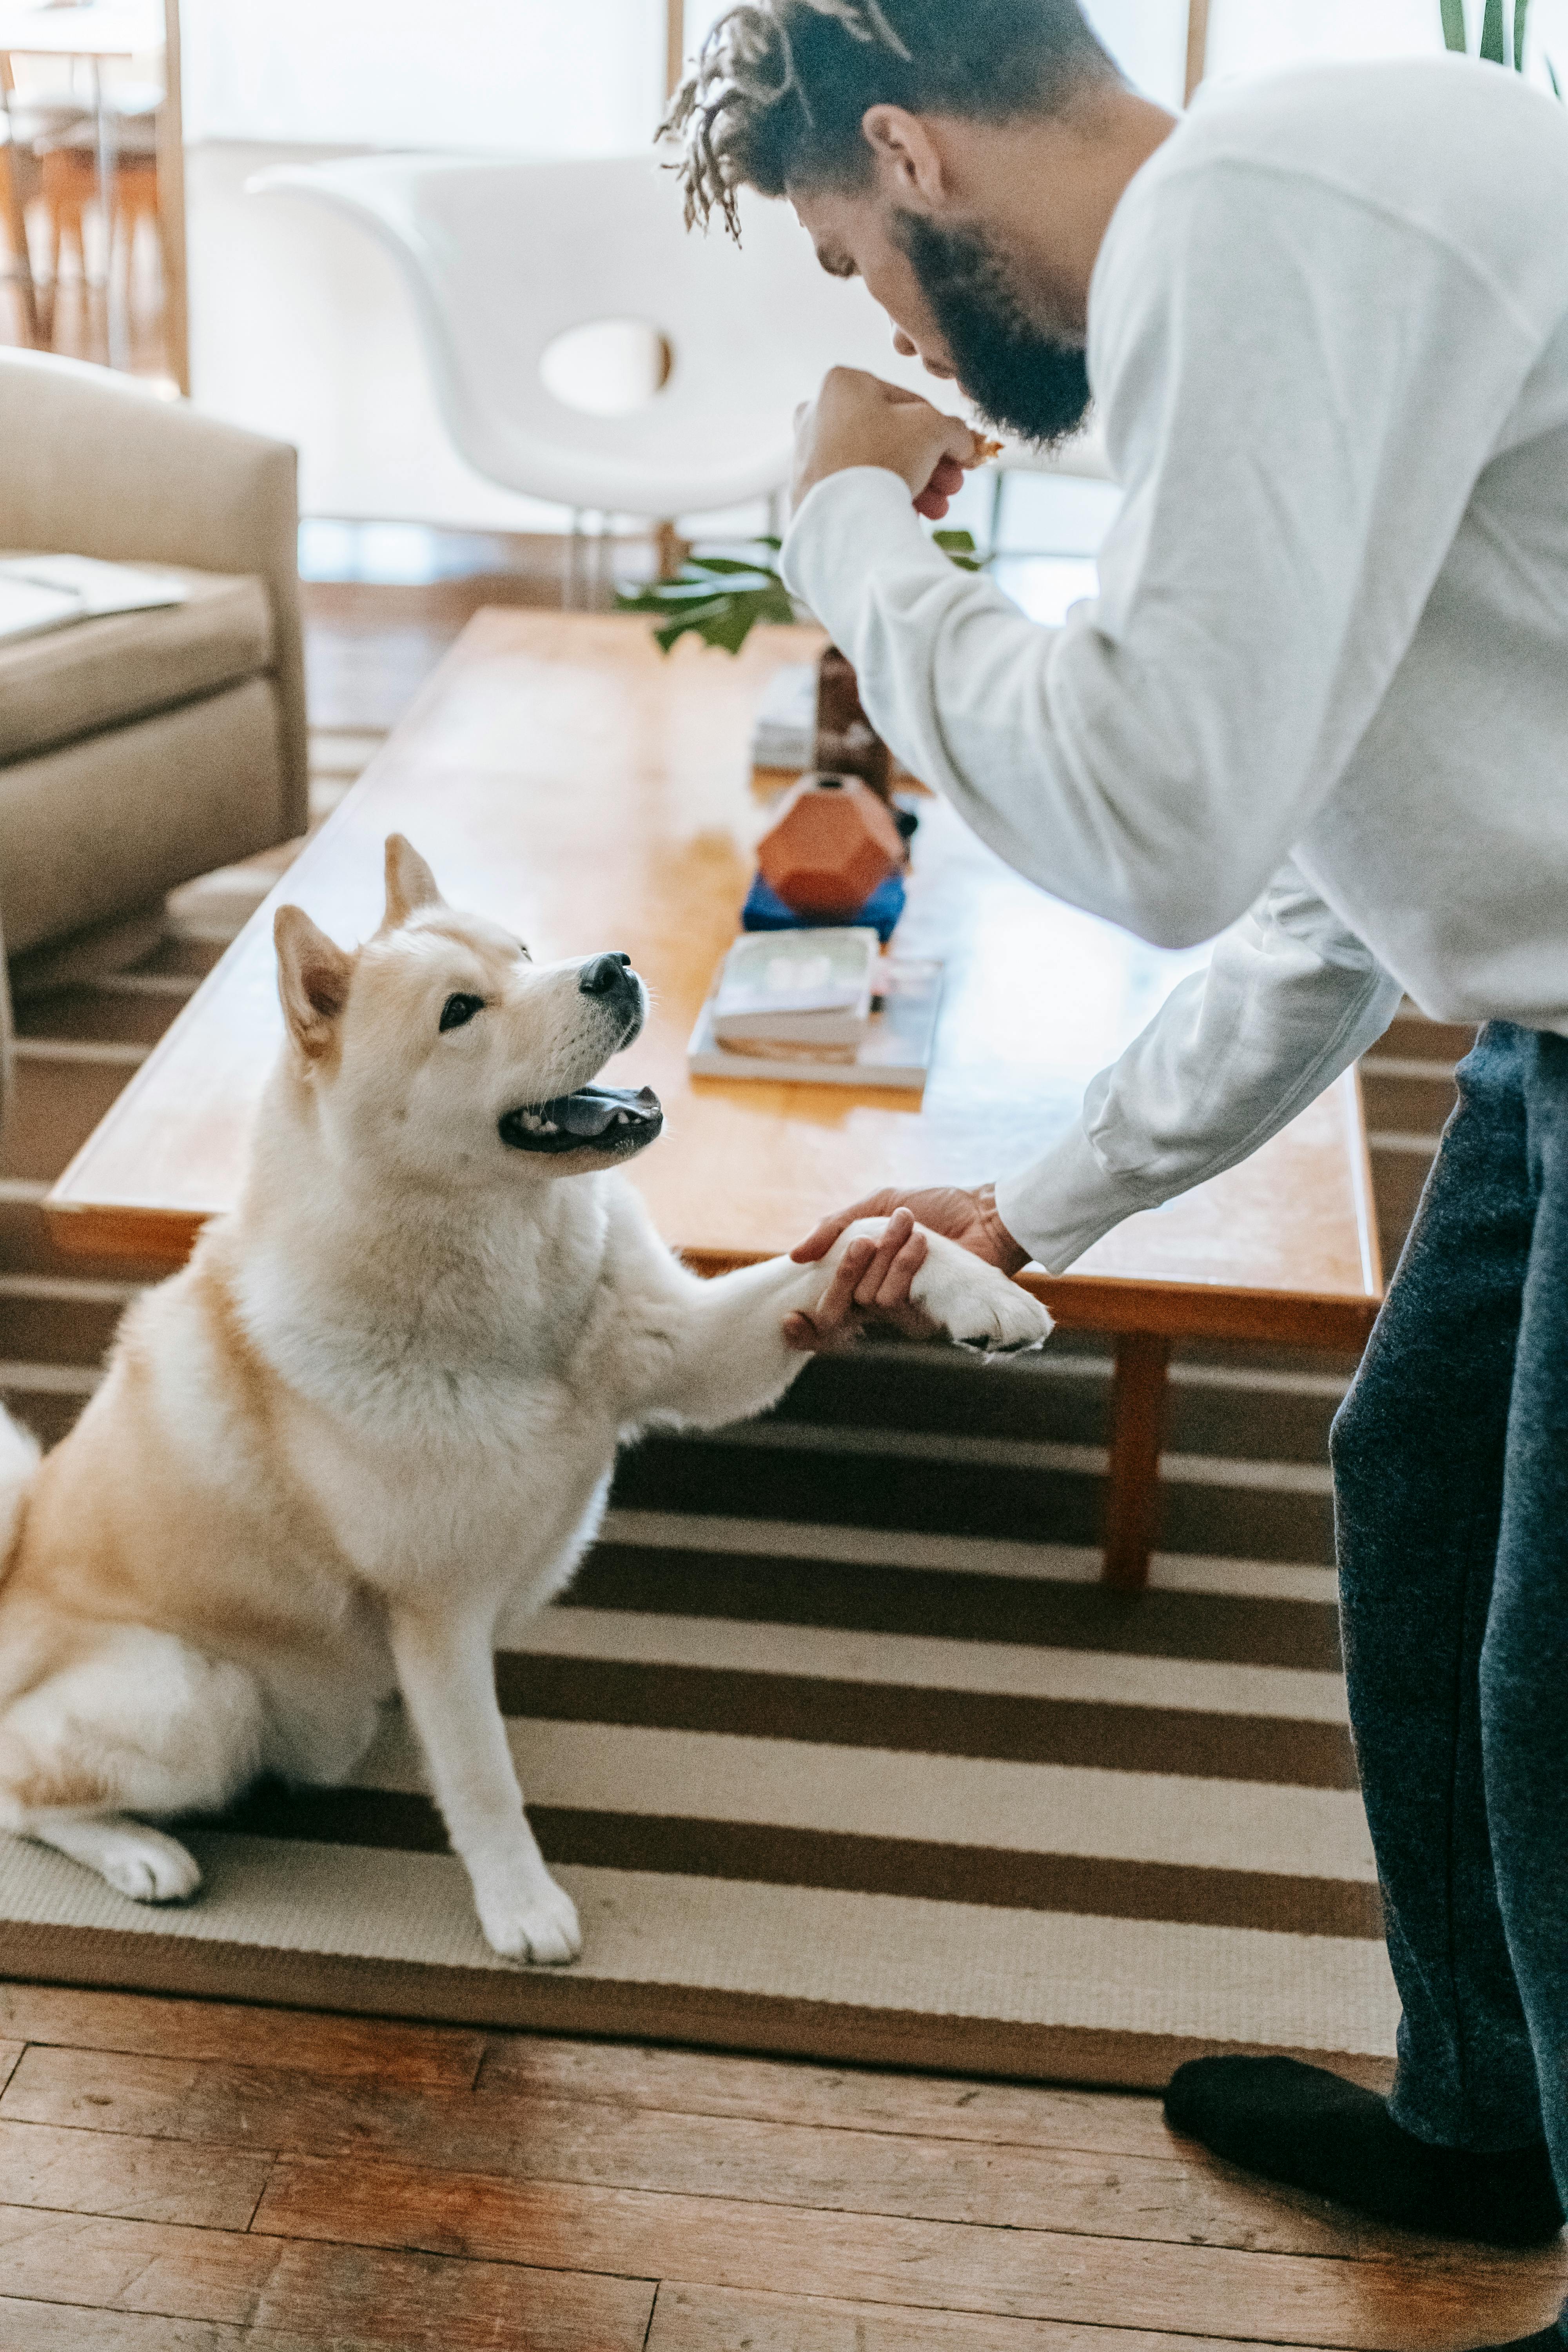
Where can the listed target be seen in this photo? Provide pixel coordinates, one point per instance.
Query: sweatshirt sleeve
(1289, 1000)
(1298, 393)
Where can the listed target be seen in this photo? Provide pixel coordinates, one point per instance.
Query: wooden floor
(182, 2177)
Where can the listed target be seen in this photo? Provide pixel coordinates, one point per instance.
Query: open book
(40, 593)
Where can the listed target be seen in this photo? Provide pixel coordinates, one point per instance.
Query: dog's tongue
(593, 1110)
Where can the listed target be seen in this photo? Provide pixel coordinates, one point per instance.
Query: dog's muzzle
(611, 1120)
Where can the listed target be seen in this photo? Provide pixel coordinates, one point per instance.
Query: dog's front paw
(974, 1303)
(534, 1920)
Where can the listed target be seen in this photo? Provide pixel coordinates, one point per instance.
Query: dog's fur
(377, 1410)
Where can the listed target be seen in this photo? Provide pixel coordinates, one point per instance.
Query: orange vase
(834, 842)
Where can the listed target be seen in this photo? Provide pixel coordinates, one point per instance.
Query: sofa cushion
(79, 680)
(97, 828)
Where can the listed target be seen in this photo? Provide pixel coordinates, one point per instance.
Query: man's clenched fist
(858, 420)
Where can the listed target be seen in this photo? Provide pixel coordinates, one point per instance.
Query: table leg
(1137, 1433)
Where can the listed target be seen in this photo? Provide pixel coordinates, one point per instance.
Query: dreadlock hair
(780, 86)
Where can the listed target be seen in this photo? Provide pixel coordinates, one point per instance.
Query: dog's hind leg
(141, 1723)
(142, 1863)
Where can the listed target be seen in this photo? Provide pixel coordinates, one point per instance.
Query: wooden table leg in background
(1137, 1433)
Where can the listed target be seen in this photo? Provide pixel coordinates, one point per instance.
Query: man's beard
(1021, 379)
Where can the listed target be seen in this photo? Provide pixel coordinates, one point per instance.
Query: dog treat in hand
(986, 449)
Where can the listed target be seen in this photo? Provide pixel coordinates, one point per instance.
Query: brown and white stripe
(845, 1803)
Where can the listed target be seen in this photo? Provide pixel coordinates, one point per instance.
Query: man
(1321, 706)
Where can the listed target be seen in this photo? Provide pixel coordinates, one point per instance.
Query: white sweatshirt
(1326, 677)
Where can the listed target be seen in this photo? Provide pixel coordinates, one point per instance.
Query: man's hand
(858, 420)
(874, 1277)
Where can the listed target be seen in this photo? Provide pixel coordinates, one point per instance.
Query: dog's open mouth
(610, 1119)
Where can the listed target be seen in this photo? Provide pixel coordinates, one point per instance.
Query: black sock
(1314, 2130)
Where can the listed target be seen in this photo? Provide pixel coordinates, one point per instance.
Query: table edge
(1078, 1302)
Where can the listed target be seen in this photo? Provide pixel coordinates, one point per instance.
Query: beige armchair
(140, 750)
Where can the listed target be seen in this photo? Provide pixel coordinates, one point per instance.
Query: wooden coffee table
(564, 776)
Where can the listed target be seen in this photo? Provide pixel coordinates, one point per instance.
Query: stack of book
(823, 1006)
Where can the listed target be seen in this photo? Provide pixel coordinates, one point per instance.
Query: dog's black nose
(603, 975)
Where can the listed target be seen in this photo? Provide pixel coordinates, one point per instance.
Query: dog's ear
(409, 882)
(313, 975)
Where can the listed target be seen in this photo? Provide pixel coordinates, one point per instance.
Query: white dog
(378, 1408)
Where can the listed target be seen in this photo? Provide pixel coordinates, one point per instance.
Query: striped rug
(836, 1741)
(939, 1801)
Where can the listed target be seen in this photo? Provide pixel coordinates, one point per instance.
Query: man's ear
(313, 976)
(409, 882)
(909, 166)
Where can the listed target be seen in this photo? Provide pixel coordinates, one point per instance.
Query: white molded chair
(503, 257)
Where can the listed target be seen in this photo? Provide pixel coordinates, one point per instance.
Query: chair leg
(16, 228)
(573, 551)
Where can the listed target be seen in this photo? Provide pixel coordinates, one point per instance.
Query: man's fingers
(932, 505)
(875, 1269)
(895, 1290)
(837, 1301)
(818, 1242)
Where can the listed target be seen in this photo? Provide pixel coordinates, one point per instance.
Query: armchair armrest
(99, 464)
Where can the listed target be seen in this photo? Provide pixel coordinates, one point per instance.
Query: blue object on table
(764, 910)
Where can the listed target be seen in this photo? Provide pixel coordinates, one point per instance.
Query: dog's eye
(459, 1009)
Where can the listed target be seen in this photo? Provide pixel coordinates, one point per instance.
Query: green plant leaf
(1521, 21)
(727, 564)
(1454, 32)
(1491, 33)
(665, 596)
(719, 598)
(738, 617)
(959, 548)
(700, 618)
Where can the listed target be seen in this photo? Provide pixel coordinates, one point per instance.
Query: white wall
(1248, 35)
(1148, 39)
(534, 76)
